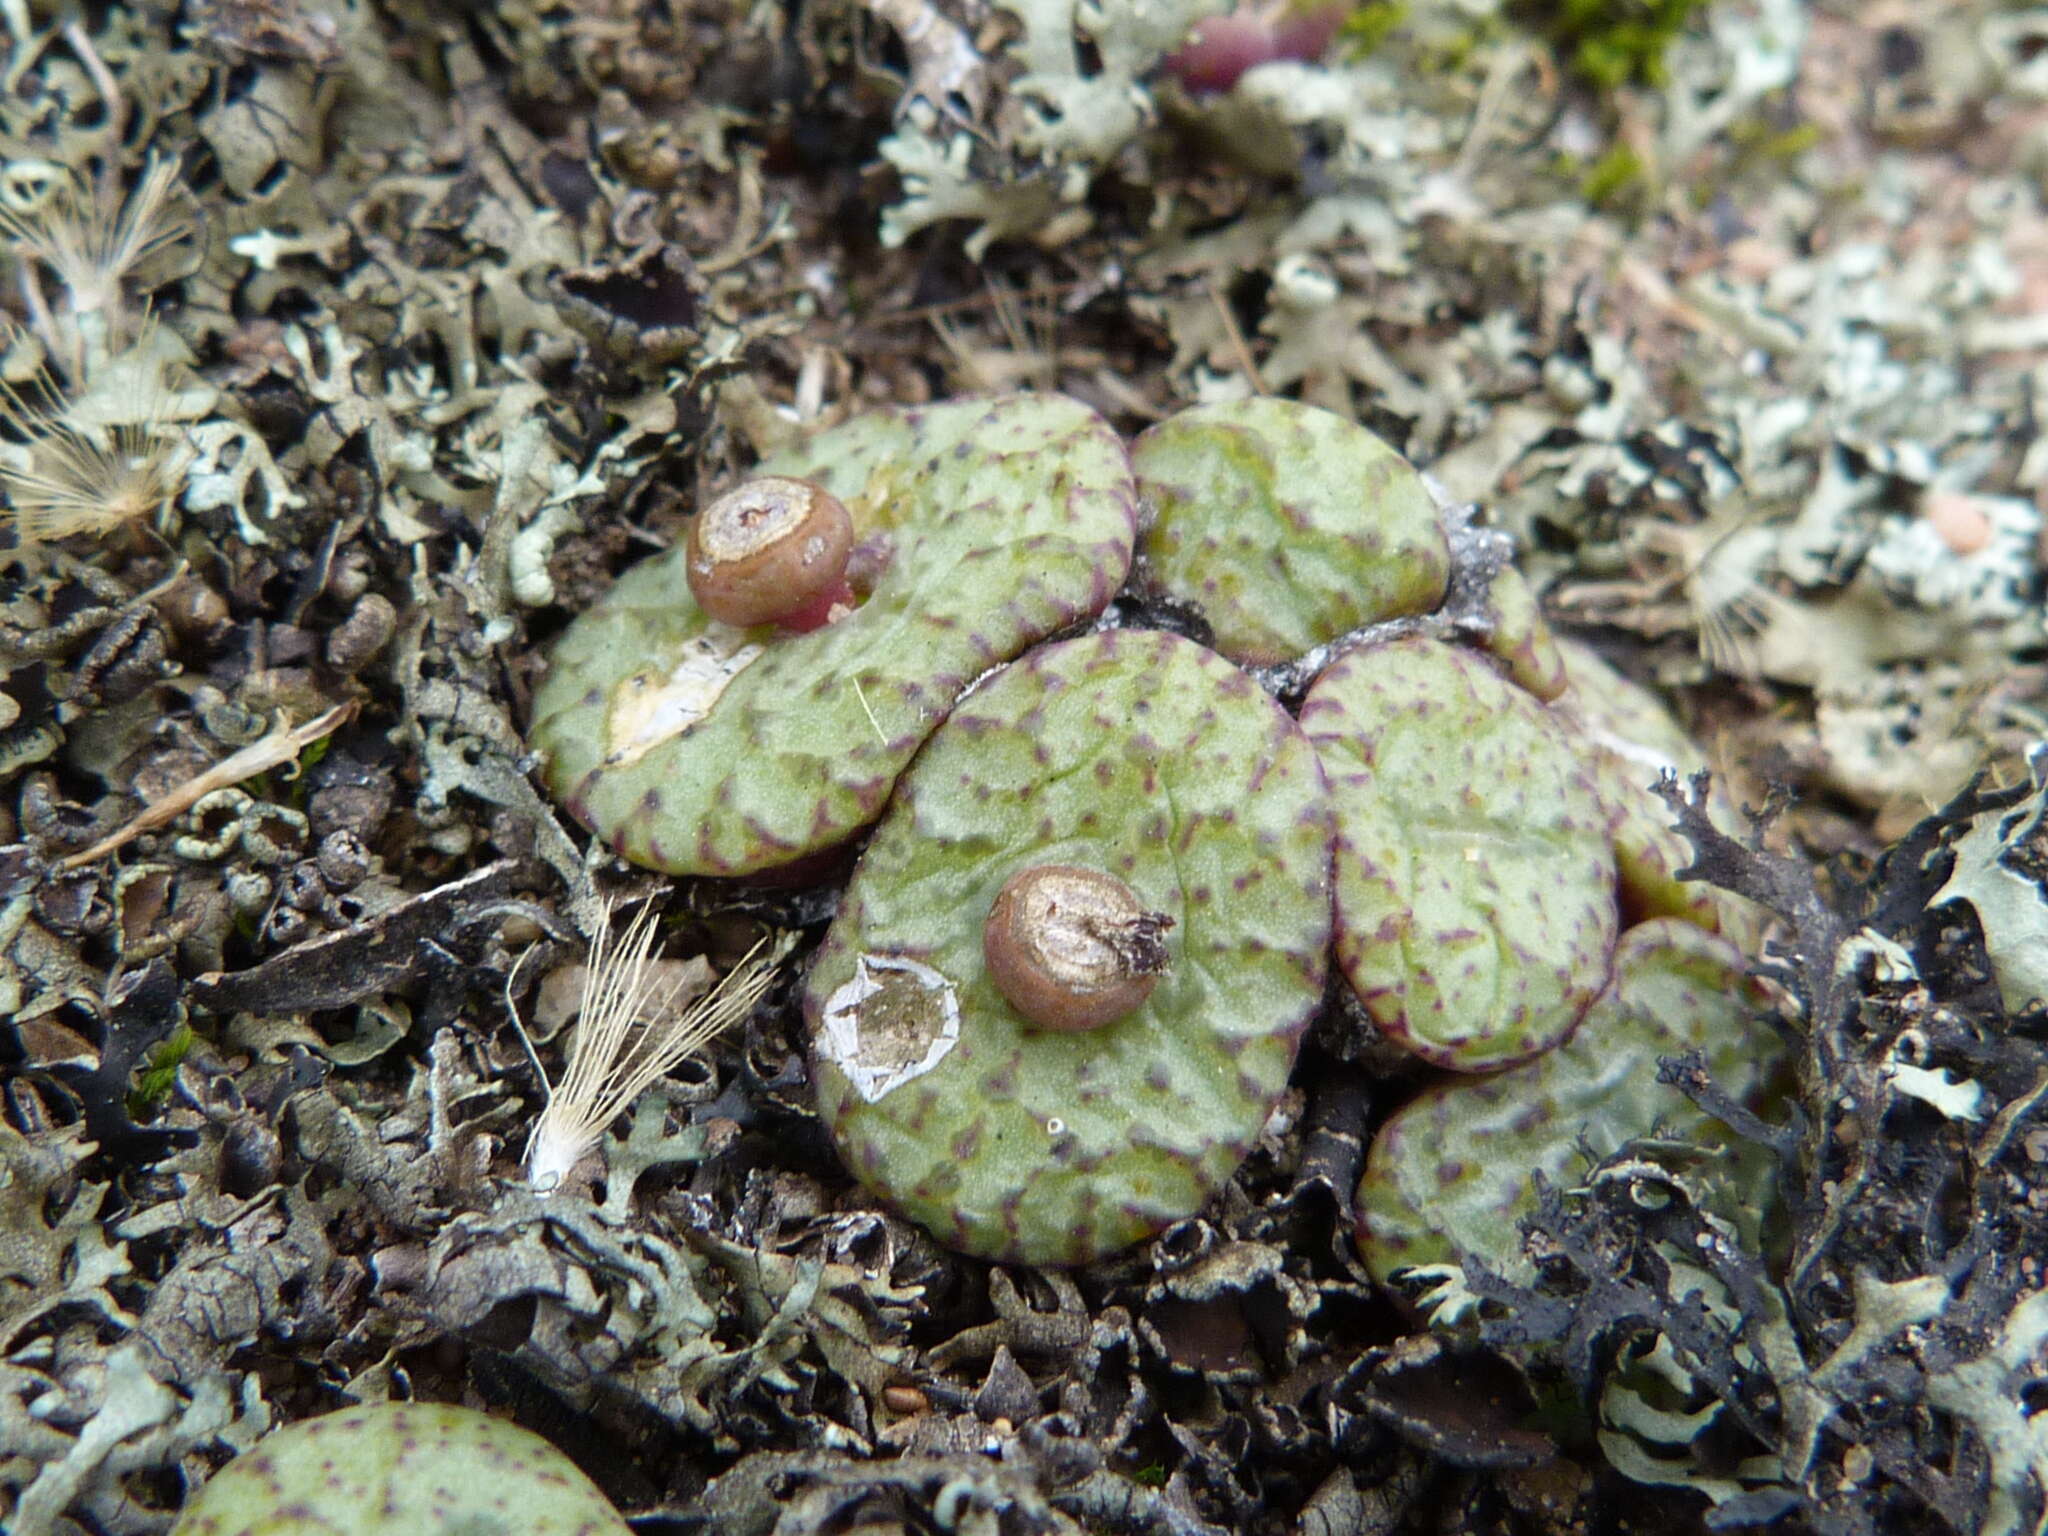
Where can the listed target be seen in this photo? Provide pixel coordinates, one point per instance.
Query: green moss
(1610, 43)
(1370, 25)
(153, 1082)
(1613, 178)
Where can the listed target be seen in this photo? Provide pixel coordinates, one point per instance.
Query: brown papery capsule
(1072, 948)
(768, 550)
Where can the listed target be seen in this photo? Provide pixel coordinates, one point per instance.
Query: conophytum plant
(1441, 778)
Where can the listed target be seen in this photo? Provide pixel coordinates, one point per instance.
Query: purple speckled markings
(1131, 751)
(1285, 525)
(1450, 1173)
(1475, 880)
(697, 748)
(400, 1469)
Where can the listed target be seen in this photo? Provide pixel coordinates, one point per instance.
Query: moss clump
(1611, 43)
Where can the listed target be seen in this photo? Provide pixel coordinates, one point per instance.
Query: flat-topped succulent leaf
(1630, 739)
(1286, 525)
(1475, 885)
(699, 748)
(1521, 639)
(401, 1469)
(1452, 1171)
(1132, 752)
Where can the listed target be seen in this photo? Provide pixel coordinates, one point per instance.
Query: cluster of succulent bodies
(1110, 865)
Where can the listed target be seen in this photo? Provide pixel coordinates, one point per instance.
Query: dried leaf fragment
(279, 746)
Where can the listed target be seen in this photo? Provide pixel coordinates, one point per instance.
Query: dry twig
(279, 746)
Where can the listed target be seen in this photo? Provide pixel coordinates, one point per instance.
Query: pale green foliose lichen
(2011, 906)
(1080, 99)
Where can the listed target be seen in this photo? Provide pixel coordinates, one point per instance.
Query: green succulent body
(697, 748)
(1465, 832)
(1630, 740)
(1475, 888)
(1453, 1172)
(1149, 757)
(1520, 640)
(400, 1469)
(1285, 525)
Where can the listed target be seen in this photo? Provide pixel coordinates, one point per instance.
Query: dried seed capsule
(768, 551)
(1072, 948)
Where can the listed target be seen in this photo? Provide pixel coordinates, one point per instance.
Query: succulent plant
(1066, 983)
(1450, 1173)
(1139, 756)
(1475, 883)
(1519, 638)
(400, 1469)
(699, 747)
(1285, 525)
(1628, 739)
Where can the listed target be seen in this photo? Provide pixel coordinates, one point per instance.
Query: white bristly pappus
(630, 1031)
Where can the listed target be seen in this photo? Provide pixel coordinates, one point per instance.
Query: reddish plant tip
(1221, 48)
(828, 607)
(1072, 948)
(767, 550)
